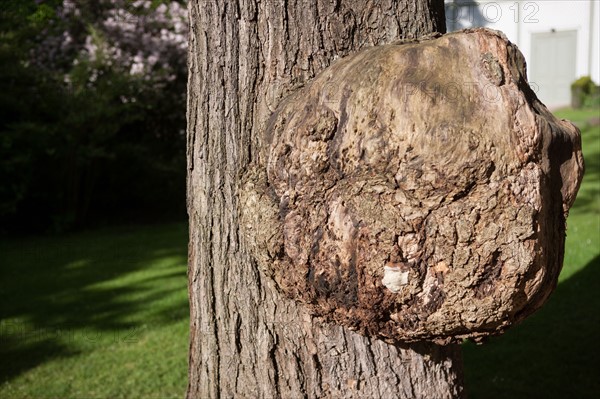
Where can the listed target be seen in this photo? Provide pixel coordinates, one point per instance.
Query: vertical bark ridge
(247, 340)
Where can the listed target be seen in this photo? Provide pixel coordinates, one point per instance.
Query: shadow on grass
(553, 354)
(61, 294)
(18, 356)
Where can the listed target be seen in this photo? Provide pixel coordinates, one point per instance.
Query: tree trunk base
(290, 354)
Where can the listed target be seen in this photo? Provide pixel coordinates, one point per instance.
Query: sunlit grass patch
(96, 315)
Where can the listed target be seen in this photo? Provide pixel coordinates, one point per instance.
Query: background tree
(246, 339)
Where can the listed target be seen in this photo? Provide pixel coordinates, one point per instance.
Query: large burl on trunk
(415, 191)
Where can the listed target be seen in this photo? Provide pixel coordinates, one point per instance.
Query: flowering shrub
(132, 37)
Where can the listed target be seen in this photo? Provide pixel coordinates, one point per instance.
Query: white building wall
(595, 42)
(519, 20)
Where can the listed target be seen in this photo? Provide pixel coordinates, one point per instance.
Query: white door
(553, 56)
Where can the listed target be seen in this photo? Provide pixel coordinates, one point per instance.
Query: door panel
(553, 66)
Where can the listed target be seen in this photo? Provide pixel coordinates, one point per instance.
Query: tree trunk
(247, 340)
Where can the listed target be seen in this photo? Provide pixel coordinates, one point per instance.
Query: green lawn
(100, 314)
(554, 353)
(104, 314)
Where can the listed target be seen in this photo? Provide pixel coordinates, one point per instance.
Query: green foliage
(585, 83)
(82, 141)
(585, 93)
(43, 14)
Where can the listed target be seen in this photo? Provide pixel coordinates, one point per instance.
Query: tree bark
(246, 339)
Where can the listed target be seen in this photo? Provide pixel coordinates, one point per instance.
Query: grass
(554, 353)
(104, 314)
(101, 314)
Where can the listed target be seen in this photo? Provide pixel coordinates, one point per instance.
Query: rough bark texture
(247, 339)
(416, 191)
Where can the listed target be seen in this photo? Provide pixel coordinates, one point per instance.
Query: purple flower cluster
(133, 37)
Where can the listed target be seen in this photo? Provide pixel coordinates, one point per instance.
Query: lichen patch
(394, 279)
